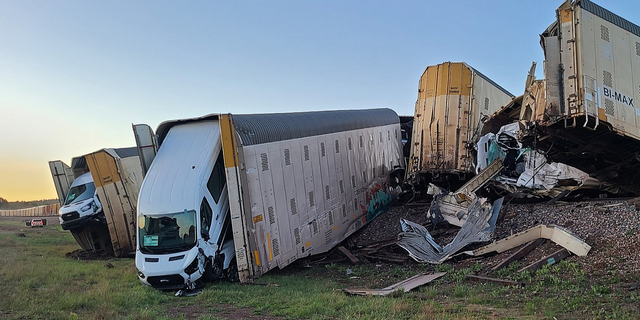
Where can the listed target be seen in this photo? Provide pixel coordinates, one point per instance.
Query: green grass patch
(39, 281)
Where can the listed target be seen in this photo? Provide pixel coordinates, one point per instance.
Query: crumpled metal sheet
(445, 206)
(404, 285)
(479, 227)
(532, 170)
(541, 174)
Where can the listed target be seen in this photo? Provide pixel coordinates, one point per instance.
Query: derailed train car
(39, 211)
(98, 194)
(239, 195)
(452, 99)
(585, 112)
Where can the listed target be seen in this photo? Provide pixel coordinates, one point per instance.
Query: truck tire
(214, 268)
(397, 177)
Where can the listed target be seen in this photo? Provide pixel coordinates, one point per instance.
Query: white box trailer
(103, 221)
(294, 185)
(452, 99)
(586, 111)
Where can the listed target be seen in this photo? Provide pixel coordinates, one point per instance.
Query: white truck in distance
(81, 205)
(239, 195)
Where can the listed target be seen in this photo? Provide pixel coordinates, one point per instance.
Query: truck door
(62, 178)
(146, 144)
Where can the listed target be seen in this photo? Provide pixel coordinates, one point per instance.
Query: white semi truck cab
(183, 221)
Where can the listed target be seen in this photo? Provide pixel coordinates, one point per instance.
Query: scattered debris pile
(610, 227)
(532, 238)
(525, 172)
(480, 222)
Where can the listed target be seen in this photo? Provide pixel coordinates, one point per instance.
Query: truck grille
(166, 281)
(70, 216)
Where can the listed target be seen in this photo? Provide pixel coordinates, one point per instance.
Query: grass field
(38, 281)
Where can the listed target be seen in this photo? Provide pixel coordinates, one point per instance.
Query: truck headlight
(86, 207)
(192, 268)
(141, 275)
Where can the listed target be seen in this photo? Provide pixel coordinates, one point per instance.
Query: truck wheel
(213, 270)
(218, 267)
(397, 177)
(207, 272)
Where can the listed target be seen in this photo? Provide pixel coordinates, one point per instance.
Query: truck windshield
(167, 233)
(80, 192)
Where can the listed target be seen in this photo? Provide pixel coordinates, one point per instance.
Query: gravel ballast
(610, 227)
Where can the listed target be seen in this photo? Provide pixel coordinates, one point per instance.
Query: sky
(75, 75)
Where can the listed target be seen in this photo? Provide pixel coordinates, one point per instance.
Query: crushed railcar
(586, 112)
(452, 99)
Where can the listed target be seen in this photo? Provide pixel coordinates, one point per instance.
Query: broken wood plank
(509, 215)
(349, 255)
(634, 200)
(374, 249)
(503, 282)
(558, 197)
(611, 205)
(548, 260)
(519, 254)
(327, 261)
(391, 255)
(378, 242)
(387, 259)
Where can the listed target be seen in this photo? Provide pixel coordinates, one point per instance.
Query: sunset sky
(74, 75)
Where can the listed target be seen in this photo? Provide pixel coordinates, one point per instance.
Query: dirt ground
(221, 311)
